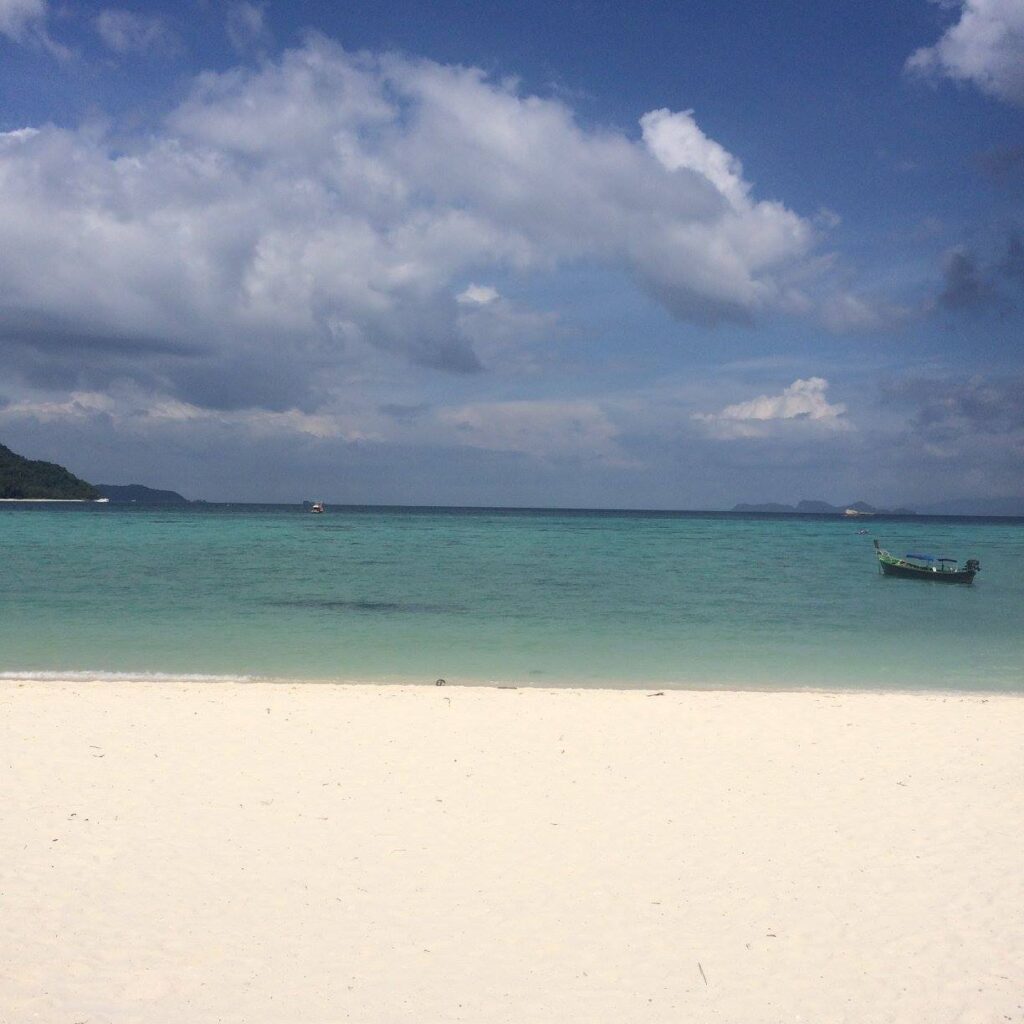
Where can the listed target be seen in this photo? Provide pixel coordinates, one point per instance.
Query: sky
(588, 254)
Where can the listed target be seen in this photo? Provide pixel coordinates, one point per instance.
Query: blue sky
(586, 254)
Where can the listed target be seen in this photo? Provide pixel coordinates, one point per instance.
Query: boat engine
(972, 565)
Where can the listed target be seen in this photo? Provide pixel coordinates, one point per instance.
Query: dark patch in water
(329, 604)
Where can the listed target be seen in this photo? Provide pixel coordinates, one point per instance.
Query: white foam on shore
(80, 676)
(682, 685)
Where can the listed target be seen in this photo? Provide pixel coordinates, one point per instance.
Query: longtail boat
(926, 567)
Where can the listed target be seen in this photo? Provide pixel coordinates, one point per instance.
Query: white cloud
(76, 405)
(730, 258)
(827, 219)
(501, 331)
(847, 312)
(803, 403)
(844, 312)
(125, 32)
(24, 21)
(985, 47)
(136, 412)
(505, 335)
(678, 143)
(18, 17)
(245, 26)
(12, 138)
(286, 220)
(546, 429)
(477, 295)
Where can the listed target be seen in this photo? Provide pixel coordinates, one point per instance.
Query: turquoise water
(544, 598)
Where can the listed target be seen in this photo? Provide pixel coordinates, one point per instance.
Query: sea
(515, 597)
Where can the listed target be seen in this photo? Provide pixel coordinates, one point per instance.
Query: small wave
(359, 606)
(85, 676)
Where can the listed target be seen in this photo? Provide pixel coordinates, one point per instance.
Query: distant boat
(856, 512)
(926, 567)
(317, 506)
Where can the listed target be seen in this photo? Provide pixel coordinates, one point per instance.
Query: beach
(270, 852)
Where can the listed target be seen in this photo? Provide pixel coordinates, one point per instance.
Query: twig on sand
(702, 974)
(660, 693)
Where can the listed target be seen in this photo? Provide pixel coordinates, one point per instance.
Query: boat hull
(909, 572)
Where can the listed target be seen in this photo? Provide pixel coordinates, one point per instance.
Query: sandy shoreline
(271, 852)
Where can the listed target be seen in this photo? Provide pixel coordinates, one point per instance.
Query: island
(24, 479)
(138, 494)
(824, 508)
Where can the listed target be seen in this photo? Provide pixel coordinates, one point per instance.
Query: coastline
(268, 851)
(102, 677)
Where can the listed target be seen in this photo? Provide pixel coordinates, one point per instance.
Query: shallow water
(583, 598)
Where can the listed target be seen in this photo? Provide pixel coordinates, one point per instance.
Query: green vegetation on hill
(29, 478)
(137, 494)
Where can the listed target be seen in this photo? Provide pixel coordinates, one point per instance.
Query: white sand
(200, 852)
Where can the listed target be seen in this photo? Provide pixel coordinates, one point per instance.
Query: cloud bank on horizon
(363, 250)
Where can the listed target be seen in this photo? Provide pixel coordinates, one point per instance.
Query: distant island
(824, 508)
(137, 494)
(24, 479)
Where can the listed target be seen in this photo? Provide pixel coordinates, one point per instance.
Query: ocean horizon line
(192, 503)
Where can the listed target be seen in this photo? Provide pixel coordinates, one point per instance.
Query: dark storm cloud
(404, 413)
(975, 283)
(686, 304)
(451, 354)
(55, 333)
(49, 351)
(944, 409)
(959, 439)
(1011, 265)
(964, 285)
(265, 379)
